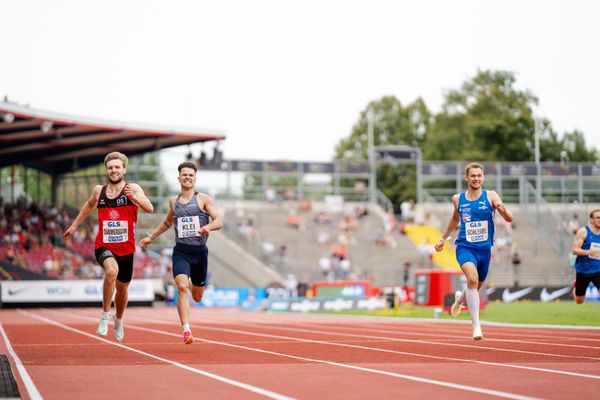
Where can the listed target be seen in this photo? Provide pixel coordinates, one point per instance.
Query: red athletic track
(262, 355)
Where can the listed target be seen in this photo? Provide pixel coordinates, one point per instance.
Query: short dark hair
(594, 212)
(187, 164)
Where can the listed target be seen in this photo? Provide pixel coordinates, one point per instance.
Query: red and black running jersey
(116, 223)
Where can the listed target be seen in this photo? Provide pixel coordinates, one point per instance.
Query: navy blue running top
(187, 219)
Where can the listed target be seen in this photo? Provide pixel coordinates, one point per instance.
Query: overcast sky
(288, 79)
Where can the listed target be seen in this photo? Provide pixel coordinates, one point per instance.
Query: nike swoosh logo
(546, 297)
(13, 292)
(509, 297)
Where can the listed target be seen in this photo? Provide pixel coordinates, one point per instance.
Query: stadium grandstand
(276, 235)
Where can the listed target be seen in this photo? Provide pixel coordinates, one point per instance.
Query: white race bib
(476, 231)
(595, 246)
(115, 231)
(188, 226)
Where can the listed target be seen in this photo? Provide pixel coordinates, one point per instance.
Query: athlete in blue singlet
(587, 264)
(189, 212)
(474, 211)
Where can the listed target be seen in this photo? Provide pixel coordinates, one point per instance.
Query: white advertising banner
(68, 291)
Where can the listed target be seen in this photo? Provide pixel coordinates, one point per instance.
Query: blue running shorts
(479, 257)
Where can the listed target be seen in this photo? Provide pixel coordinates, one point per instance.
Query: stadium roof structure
(57, 143)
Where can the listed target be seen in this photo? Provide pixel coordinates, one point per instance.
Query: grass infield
(523, 312)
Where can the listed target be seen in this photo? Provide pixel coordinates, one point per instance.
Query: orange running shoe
(187, 337)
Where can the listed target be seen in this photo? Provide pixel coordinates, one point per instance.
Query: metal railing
(548, 222)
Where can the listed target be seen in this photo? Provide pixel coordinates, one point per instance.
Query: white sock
(463, 296)
(473, 303)
(118, 321)
(186, 327)
(106, 314)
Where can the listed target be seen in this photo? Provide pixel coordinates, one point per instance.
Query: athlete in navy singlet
(190, 213)
(474, 212)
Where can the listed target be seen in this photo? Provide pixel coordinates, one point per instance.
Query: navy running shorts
(191, 260)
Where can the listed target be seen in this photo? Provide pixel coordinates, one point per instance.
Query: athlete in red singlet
(117, 205)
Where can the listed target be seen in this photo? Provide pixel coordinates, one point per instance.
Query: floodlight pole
(372, 162)
(419, 167)
(538, 167)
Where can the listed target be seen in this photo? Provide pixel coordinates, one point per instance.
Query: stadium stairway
(383, 265)
(229, 264)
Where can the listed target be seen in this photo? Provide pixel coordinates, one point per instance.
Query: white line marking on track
(337, 343)
(32, 391)
(396, 322)
(395, 339)
(476, 389)
(251, 388)
(398, 352)
(438, 335)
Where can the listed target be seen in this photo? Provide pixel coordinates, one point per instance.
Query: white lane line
(278, 317)
(337, 343)
(438, 335)
(251, 388)
(433, 325)
(32, 390)
(396, 339)
(495, 334)
(391, 351)
(476, 389)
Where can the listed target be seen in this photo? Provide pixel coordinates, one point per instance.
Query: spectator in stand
(293, 220)
(573, 225)
(281, 255)
(267, 249)
(361, 211)
(516, 261)
(291, 285)
(323, 238)
(305, 205)
(325, 266)
(344, 269)
(406, 209)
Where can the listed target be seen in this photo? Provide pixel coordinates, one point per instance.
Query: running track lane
(278, 356)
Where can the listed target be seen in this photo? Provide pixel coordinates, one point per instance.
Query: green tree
(486, 119)
(570, 147)
(393, 124)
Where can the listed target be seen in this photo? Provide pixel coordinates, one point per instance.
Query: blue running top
(587, 264)
(476, 222)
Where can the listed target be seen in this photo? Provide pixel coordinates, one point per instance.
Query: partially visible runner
(474, 210)
(117, 205)
(586, 247)
(189, 212)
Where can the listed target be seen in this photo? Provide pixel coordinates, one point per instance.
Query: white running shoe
(477, 334)
(456, 307)
(119, 332)
(103, 325)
